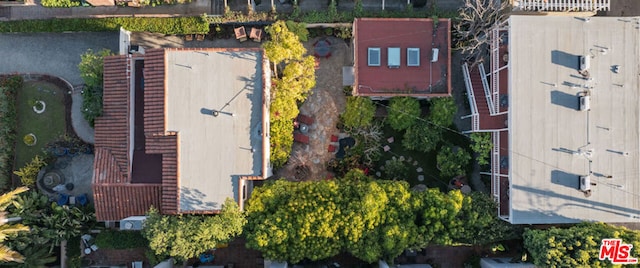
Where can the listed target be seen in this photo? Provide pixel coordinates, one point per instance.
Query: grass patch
(112, 239)
(47, 126)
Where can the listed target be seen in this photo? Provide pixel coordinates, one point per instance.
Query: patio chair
(63, 199)
(256, 34)
(188, 37)
(301, 138)
(241, 33)
(332, 148)
(334, 138)
(200, 37)
(307, 120)
(82, 200)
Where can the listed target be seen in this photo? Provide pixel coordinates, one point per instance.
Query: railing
(495, 166)
(562, 5)
(495, 66)
(487, 89)
(475, 121)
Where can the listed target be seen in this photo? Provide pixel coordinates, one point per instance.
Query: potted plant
(30, 139)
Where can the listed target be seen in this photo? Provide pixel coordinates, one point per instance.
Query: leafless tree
(370, 137)
(476, 19)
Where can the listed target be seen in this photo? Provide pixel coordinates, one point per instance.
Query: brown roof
(426, 80)
(114, 194)
(154, 91)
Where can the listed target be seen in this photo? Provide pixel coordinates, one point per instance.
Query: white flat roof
(551, 141)
(213, 152)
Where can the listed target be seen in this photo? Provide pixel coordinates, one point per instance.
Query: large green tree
(358, 113)
(186, 236)
(577, 246)
(292, 222)
(480, 223)
(284, 45)
(403, 112)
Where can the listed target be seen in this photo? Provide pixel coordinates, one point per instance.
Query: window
(413, 56)
(374, 56)
(393, 59)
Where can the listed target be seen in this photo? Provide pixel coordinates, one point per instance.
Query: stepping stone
(390, 140)
(378, 174)
(387, 162)
(394, 158)
(419, 169)
(409, 159)
(386, 148)
(420, 177)
(401, 159)
(415, 163)
(382, 168)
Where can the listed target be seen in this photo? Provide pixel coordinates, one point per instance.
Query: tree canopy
(481, 144)
(422, 137)
(577, 246)
(284, 44)
(403, 112)
(91, 70)
(358, 113)
(7, 254)
(186, 236)
(370, 219)
(442, 111)
(452, 160)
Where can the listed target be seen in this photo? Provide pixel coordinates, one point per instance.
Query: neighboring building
(561, 104)
(402, 57)
(181, 130)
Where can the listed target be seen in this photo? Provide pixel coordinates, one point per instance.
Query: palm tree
(6, 229)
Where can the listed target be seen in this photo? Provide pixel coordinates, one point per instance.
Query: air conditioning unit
(584, 63)
(132, 223)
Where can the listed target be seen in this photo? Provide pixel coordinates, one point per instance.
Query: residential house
(401, 57)
(182, 130)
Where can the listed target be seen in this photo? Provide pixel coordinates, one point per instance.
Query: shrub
(481, 144)
(29, 173)
(442, 111)
(403, 112)
(8, 88)
(452, 161)
(422, 137)
(60, 3)
(91, 71)
(112, 239)
(179, 25)
(358, 113)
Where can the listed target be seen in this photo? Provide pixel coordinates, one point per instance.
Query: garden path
(326, 102)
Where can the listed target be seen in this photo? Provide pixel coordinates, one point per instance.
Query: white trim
(475, 120)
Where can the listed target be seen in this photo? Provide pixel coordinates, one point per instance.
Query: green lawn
(47, 126)
(427, 161)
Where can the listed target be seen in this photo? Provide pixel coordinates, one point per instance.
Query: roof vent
(393, 57)
(584, 63)
(413, 56)
(434, 54)
(374, 56)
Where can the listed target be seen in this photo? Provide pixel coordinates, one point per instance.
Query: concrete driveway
(55, 54)
(51, 53)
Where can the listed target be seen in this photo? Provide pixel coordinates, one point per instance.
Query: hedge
(111, 239)
(179, 25)
(9, 86)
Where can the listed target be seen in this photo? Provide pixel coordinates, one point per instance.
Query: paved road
(58, 55)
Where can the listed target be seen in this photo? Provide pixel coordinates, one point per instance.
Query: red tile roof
(427, 80)
(116, 197)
